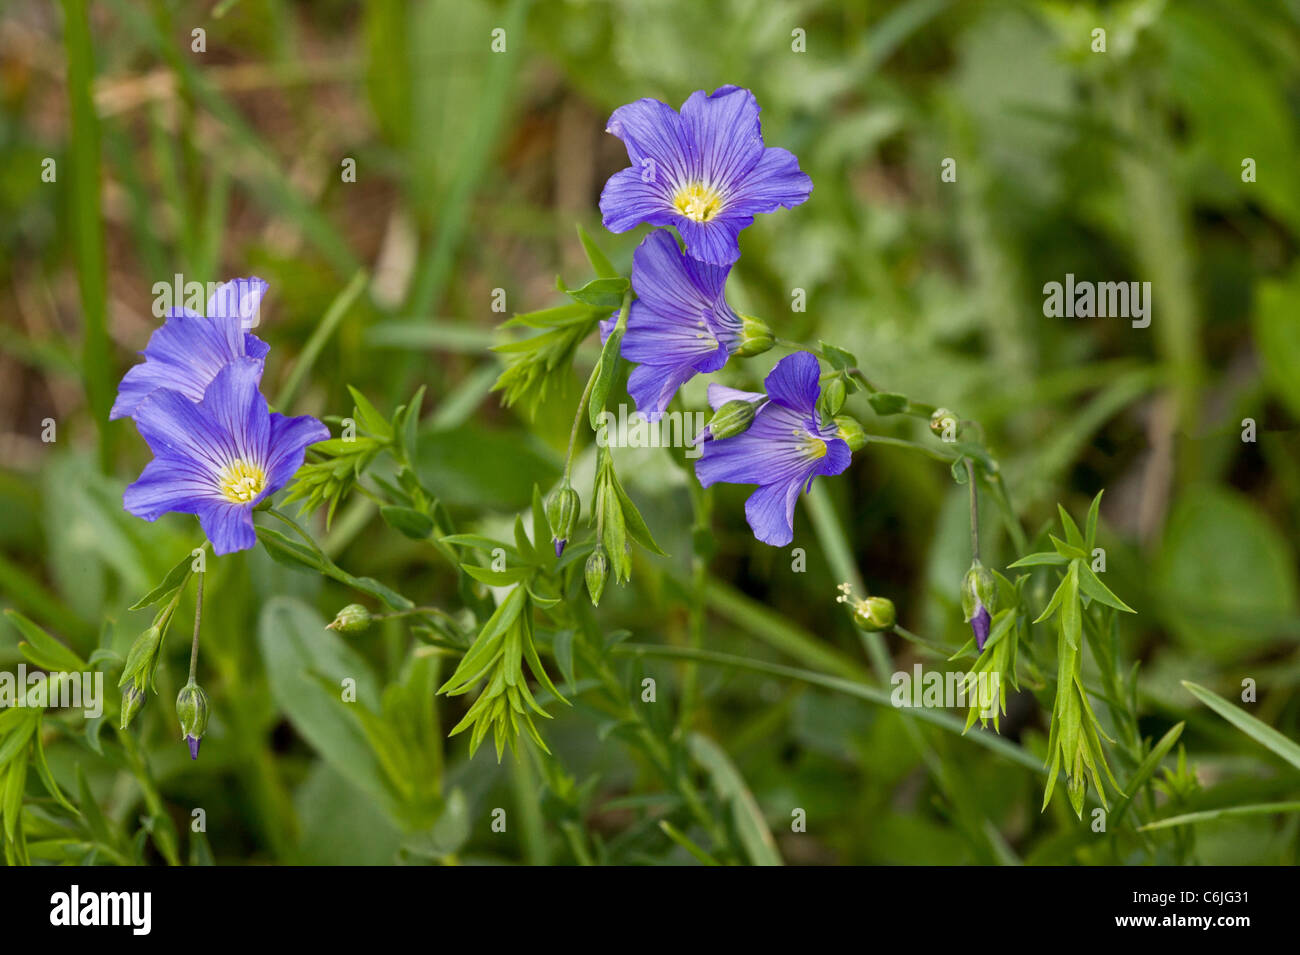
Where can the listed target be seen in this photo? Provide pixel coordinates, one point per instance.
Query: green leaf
(1041, 559)
(751, 827)
(42, 649)
(604, 376)
(600, 264)
(407, 521)
(175, 578)
(635, 523)
(1090, 530)
(298, 651)
(1071, 529)
(886, 403)
(371, 421)
(1145, 769)
(1091, 585)
(837, 357)
(1257, 730)
(600, 293)
(1227, 812)
(498, 578)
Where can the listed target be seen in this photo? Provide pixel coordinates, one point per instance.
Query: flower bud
(850, 432)
(977, 599)
(596, 571)
(943, 423)
(731, 419)
(562, 511)
(192, 711)
(755, 337)
(353, 618)
(832, 399)
(132, 700)
(874, 614)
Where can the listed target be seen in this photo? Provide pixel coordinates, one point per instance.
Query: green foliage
(714, 690)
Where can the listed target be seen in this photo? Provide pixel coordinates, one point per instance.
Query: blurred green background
(472, 168)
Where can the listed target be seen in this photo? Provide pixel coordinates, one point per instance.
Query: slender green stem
(198, 614)
(974, 510)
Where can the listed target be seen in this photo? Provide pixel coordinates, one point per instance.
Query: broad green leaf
(407, 521)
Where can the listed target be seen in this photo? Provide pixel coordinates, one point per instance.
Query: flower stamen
(241, 481)
(697, 202)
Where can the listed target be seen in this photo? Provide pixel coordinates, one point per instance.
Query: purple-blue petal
(628, 200)
(795, 382)
(979, 625)
(290, 438)
(775, 182)
(239, 299)
(724, 128)
(184, 355)
(228, 526)
(770, 512)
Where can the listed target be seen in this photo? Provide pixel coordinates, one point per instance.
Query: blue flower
(680, 324)
(784, 448)
(704, 170)
(219, 457)
(186, 353)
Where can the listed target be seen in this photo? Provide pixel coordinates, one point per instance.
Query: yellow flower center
(241, 481)
(813, 446)
(697, 202)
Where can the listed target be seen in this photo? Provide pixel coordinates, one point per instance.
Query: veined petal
(171, 484)
(714, 241)
(628, 200)
(725, 129)
(795, 382)
(679, 287)
(238, 412)
(290, 438)
(176, 428)
(651, 129)
(775, 448)
(770, 512)
(228, 526)
(239, 299)
(652, 386)
(184, 355)
(775, 181)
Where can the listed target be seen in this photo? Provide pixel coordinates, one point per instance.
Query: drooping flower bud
(755, 337)
(851, 432)
(353, 618)
(731, 419)
(562, 511)
(872, 614)
(132, 700)
(596, 570)
(977, 599)
(192, 712)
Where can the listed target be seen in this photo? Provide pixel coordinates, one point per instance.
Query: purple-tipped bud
(979, 625)
(194, 746)
(562, 512)
(978, 590)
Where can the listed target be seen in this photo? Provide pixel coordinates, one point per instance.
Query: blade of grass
(1260, 732)
(1260, 809)
(311, 351)
(87, 220)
